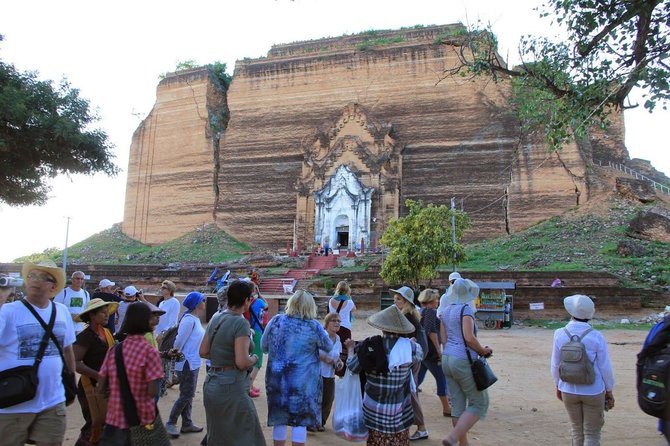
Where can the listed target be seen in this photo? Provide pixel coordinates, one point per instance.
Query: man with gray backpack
(581, 368)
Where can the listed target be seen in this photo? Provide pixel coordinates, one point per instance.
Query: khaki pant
(47, 426)
(587, 417)
(416, 404)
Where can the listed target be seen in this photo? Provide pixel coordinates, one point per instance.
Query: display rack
(495, 305)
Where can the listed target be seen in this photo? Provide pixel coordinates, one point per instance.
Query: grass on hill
(206, 244)
(579, 242)
(585, 243)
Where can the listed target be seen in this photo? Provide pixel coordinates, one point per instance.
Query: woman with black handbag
(458, 329)
(132, 393)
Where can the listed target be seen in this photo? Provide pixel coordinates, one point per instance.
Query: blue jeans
(438, 374)
(664, 426)
(188, 379)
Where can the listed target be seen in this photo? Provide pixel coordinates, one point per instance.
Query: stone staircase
(321, 262)
(277, 285)
(287, 283)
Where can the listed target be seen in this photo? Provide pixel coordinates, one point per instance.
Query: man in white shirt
(41, 418)
(75, 297)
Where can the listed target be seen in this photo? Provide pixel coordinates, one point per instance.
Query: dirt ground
(523, 409)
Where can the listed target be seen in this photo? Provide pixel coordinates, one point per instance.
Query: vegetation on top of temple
(367, 44)
(565, 87)
(45, 131)
(217, 68)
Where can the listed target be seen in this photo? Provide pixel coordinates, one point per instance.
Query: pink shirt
(143, 364)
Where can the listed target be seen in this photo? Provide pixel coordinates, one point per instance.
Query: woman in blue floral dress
(293, 376)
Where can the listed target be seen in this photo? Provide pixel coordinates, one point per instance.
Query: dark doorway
(343, 236)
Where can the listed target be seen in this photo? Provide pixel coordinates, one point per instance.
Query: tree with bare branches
(566, 87)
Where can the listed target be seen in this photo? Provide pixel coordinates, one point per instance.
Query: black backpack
(653, 374)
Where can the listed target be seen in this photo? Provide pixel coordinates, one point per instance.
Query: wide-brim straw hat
(406, 292)
(49, 267)
(579, 306)
(93, 305)
(392, 321)
(461, 291)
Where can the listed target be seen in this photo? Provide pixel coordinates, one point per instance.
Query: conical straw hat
(391, 320)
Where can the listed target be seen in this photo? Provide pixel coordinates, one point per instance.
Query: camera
(6, 282)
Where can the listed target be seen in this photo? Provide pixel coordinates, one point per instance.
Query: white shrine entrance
(345, 162)
(342, 210)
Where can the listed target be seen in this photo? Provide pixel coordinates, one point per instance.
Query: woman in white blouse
(585, 403)
(189, 337)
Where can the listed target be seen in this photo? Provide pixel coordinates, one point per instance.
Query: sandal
(446, 414)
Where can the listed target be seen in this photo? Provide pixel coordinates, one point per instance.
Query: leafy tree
(219, 69)
(44, 131)
(54, 254)
(566, 87)
(186, 65)
(420, 242)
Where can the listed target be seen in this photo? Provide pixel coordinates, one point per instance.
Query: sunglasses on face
(41, 277)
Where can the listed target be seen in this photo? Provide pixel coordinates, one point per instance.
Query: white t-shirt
(345, 311)
(75, 301)
(171, 307)
(121, 313)
(189, 337)
(20, 338)
(328, 370)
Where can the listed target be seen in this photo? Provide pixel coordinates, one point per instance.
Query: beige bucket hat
(462, 291)
(579, 306)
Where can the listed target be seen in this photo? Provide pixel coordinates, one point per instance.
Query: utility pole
(453, 227)
(67, 233)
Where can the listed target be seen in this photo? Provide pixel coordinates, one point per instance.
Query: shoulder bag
(153, 434)
(19, 384)
(481, 371)
(66, 375)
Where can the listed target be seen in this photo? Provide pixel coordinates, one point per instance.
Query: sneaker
(253, 394)
(419, 435)
(172, 430)
(190, 429)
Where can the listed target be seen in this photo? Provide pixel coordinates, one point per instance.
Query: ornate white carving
(344, 201)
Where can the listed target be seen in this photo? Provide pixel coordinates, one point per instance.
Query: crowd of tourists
(114, 341)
